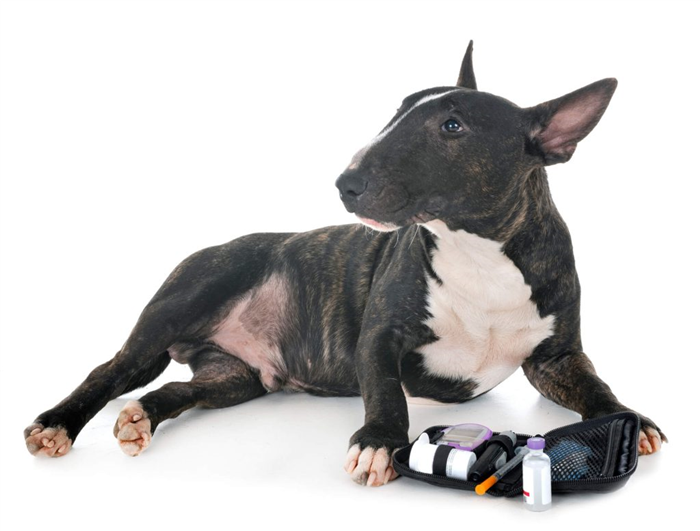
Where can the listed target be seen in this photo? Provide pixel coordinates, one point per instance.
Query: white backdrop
(134, 133)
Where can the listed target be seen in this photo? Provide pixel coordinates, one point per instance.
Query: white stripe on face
(381, 136)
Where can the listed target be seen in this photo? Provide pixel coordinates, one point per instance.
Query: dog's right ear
(557, 126)
(466, 74)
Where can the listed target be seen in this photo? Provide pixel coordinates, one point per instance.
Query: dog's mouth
(387, 226)
(376, 225)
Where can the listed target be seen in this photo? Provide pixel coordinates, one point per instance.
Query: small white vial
(537, 476)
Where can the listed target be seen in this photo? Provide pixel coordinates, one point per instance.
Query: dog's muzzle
(351, 186)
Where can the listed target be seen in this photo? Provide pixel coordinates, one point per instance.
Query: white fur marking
(481, 312)
(357, 159)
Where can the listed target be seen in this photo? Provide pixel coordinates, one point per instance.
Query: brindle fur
(357, 307)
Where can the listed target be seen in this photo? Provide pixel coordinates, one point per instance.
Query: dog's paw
(133, 429)
(369, 458)
(650, 437)
(50, 442)
(371, 466)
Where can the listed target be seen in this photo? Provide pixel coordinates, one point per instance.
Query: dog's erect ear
(466, 74)
(557, 126)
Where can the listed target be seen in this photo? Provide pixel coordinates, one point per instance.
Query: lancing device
(498, 449)
(520, 452)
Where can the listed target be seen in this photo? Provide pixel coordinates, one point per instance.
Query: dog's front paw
(133, 429)
(369, 458)
(650, 436)
(52, 441)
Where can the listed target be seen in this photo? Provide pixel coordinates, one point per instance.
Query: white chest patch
(482, 313)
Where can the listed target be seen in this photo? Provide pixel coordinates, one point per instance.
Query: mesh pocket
(579, 456)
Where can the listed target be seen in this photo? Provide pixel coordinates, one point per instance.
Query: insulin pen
(482, 487)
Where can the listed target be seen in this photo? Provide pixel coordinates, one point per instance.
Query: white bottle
(537, 476)
(454, 463)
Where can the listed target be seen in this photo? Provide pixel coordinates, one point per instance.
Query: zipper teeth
(609, 464)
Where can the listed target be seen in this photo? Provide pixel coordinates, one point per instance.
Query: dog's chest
(481, 311)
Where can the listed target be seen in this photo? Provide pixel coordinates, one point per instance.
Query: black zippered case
(596, 455)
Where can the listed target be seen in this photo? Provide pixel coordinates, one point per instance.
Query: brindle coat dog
(475, 279)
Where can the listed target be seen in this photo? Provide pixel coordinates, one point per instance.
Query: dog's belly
(480, 310)
(251, 330)
(262, 328)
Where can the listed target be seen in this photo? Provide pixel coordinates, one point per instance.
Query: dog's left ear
(466, 74)
(557, 126)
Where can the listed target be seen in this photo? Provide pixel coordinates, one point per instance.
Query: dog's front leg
(378, 360)
(570, 380)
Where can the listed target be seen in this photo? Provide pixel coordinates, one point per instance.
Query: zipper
(609, 464)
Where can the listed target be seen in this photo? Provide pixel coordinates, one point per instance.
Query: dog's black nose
(351, 185)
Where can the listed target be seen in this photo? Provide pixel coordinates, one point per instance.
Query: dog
(468, 275)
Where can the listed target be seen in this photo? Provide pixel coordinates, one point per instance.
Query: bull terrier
(468, 275)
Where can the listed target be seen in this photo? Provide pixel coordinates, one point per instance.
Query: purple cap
(535, 443)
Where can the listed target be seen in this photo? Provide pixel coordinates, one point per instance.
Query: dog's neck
(532, 236)
(528, 206)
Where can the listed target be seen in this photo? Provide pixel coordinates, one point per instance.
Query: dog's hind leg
(220, 380)
(53, 432)
(187, 305)
(139, 362)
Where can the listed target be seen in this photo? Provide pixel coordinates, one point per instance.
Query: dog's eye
(452, 126)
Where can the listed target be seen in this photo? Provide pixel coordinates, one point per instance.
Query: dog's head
(457, 152)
